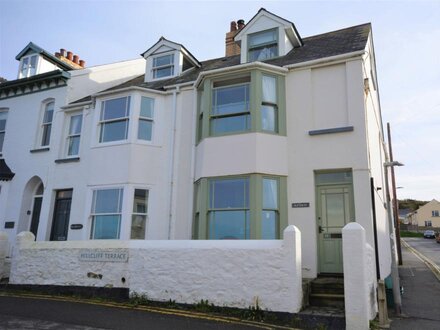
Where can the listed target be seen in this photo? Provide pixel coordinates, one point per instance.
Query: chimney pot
(63, 52)
(70, 56)
(233, 26)
(58, 55)
(76, 59)
(82, 63)
(240, 24)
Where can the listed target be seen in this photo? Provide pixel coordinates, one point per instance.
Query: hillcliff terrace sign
(115, 255)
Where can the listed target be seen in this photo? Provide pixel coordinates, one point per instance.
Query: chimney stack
(233, 48)
(70, 59)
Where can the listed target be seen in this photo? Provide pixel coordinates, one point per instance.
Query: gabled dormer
(35, 60)
(167, 59)
(267, 36)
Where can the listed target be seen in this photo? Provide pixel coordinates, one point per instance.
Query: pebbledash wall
(232, 273)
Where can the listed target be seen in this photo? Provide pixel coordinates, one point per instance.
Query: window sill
(67, 160)
(332, 130)
(32, 151)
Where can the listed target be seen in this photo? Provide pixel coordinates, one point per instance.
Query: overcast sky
(406, 36)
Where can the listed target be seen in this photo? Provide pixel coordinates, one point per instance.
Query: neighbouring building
(427, 215)
(283, 130)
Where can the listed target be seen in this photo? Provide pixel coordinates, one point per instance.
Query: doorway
(37, 201)
(61, 215)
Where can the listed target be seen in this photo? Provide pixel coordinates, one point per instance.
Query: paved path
(40, 313)
(420, 303)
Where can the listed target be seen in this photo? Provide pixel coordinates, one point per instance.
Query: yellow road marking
(428, 262)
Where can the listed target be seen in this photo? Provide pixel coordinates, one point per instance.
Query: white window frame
(3, 131)
(435, 213)
(69, 136)
(45, 125)
(262, 45)
(93, 213)
(28, 69)
(101, 123)
(155, 68)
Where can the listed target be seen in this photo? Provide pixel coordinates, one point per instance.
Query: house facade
(284, 130)
(427, 215)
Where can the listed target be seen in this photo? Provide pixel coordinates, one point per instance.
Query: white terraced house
(281, 131)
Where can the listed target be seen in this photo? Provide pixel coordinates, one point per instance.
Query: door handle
(320, 229)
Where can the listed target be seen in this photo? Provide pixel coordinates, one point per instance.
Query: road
(47, 313)
(426, 246)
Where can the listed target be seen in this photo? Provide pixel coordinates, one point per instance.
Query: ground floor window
(139, 216)
(106, 213)
(240, 207)
(428, 223)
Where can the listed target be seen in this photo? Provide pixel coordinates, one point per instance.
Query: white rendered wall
(224, 272)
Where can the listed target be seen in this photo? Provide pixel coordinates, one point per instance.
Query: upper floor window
(269, 108)
(145, 127)
(263, 45)
(28, 66)
(163, 66)
(106, 213)
(435, 213)
(74, 134)
(46, 126)
(230, 107)
(3, 118)
(114, 119)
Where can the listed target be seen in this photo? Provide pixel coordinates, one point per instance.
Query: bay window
(106, 213)
(114, 119)
(269, 116)
(145, 127)
(240, 207)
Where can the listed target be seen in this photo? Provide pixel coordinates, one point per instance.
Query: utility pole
(395, 206)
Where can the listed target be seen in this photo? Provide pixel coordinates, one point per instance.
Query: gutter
(326, 59)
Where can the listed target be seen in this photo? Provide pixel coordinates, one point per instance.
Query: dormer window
(28, 66)
(163, 66)
(263, 45)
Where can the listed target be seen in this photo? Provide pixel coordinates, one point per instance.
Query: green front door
(334, 211)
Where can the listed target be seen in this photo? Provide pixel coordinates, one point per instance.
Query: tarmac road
(426, 246)
(46, 313)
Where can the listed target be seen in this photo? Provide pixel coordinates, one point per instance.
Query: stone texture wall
(226, 273)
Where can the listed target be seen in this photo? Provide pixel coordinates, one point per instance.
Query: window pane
(333, 177)
(263, 53)
(269, 89)
(230, 124)
(45, 140)
(75, 124)
(270, 194)
(268, 118)
(106, 226)
(73, 146)
(33, 66)
(262, 38)
(163, 60)
(114, 131)
(163, 72)
(229, 193)
(138, 226)
(48, 113)
(140, 202)
(269, 225)
(3, 117)
(147, 105)
(107, 201)
(229, 225)
(230, 100)
(145, 130)
(116, 108)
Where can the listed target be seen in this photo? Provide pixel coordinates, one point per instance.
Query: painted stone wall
(226, 273)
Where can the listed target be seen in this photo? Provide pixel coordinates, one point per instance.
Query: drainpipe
(171, 164)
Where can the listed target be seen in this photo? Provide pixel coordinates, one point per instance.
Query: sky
(406, 38)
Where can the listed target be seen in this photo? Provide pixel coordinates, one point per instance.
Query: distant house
(403, 215)
(426, 216)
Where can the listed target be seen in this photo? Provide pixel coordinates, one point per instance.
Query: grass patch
(410, 234)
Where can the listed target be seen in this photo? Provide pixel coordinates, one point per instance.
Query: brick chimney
(233, 48)
(70, 59)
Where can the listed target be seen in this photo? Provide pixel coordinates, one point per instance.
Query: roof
(48, 56)
(5, 172)
(316, 47)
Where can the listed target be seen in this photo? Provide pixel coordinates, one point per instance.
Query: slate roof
(316, 47)
(37, 49)
(5, 172)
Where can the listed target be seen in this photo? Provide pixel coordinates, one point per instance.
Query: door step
(326, 292)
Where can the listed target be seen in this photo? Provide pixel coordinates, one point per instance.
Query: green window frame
(263, 45)
(250, 102)
(240, 207)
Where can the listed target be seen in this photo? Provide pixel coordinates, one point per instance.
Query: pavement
(420, 309)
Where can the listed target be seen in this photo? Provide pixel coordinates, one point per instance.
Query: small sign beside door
(303, 204)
